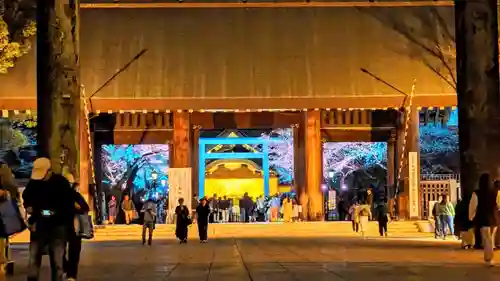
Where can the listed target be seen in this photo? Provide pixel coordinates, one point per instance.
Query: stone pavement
(276, 259)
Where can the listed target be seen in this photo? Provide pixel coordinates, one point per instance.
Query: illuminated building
(331, 74)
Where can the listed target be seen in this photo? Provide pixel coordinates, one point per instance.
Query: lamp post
(154, 176)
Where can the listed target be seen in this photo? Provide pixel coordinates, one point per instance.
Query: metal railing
(439, 177)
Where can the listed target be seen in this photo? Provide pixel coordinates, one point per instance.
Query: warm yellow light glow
(236, 187)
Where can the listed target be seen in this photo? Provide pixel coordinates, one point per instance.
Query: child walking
(149, 210)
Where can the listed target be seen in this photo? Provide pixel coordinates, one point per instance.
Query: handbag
(83, 226)
(11, 218)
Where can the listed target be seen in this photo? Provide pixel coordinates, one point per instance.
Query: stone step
(234, 230)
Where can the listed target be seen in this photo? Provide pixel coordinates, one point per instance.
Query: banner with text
(179, 186)
(414, 187)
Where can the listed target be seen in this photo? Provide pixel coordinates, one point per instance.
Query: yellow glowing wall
(235, 187)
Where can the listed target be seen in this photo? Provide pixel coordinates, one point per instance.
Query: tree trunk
(478, 90)
(58, 88)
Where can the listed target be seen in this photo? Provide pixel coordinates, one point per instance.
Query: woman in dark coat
(202, 212)
(182, 222)
(74, 247)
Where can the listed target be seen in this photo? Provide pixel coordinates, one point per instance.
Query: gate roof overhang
(246, 104)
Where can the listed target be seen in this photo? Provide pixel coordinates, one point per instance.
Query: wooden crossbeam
(257, 4)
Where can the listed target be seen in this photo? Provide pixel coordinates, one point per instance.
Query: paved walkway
(275, 259)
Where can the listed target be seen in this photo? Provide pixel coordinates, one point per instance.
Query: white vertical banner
(413, 194)
(179, 186)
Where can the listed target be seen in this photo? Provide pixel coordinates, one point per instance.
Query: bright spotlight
(344, 187)
(324, 187)
(331, 174)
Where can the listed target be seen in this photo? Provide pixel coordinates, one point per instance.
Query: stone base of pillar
(403, 205)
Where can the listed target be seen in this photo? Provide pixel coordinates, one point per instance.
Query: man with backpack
(51, 202)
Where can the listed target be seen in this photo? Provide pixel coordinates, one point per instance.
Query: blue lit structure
(204, 155)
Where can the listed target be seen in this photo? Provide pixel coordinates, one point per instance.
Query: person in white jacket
(364, 214)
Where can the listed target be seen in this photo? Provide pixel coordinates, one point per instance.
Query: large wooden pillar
(391, 170)
(313, 165)
(407, 143)
(181, 148)
(195, 137)
(298, 158)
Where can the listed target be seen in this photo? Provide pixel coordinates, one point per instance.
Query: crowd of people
(278, 207)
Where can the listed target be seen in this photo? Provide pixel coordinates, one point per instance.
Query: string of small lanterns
(89, 135)
(408, 110)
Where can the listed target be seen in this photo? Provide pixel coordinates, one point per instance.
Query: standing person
(446, 212)
(295, 210)
(235, 210)
(74, 247)
(243, 208)
(51, 201)
(182, 222)
(149, 210)
(224, 208)
(364, 214)
(497, 236)
(354, 216)
(483, 211)
(370, 199)
(261, 208)
(382, 219)
(275, 205)
(128, 209)
(202, 212)
(214, 209)
(194, 205)
(287, 209)
(112, 210)
(438, 228)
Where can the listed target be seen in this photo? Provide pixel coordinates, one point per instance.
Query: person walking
(483, 211)
(382, 218)
(354, 216)
(51, 201)
(446, 212)
(202, 213)
(74, 242)
(128, 209)
(112, 210)
(365, 215)
(463, 225)
(183, 220)
(148, 224)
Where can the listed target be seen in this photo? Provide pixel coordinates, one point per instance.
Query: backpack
(364, 212)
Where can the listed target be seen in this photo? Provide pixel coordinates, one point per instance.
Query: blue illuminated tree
(281, 153)
(121, 164)
(439, 149)
(341, 159)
